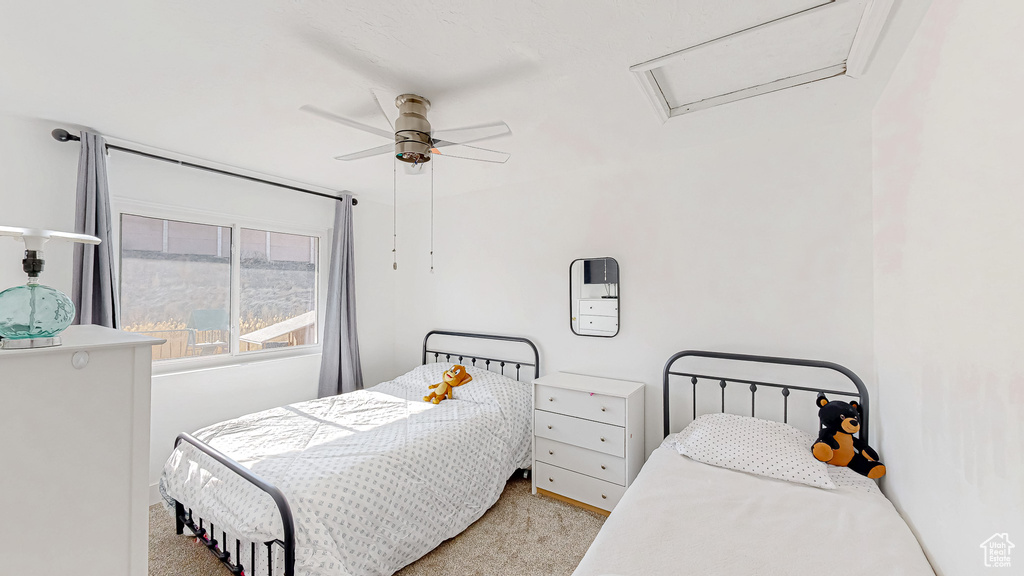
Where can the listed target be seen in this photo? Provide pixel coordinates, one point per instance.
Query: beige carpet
(522, 534)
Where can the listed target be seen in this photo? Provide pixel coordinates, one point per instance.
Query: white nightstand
(588, 438)
(599, 316)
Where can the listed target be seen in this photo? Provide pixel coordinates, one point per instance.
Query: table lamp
(32, 315)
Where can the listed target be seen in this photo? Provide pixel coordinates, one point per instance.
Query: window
(183, 282)
(278, 297)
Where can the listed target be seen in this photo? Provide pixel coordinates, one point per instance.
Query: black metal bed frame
(183, 517)
(487, 361)
(861, 394)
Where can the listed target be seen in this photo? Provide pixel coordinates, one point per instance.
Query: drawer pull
(552, 399)
(604, 497)
(602, 437)
(551, 479)
(602, 409)
(549, 426)
(603, 467)
(551, 452)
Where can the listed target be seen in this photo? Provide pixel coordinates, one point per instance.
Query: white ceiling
(224, 81)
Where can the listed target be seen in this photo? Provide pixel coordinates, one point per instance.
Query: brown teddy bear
(837, 444)
(457, 376)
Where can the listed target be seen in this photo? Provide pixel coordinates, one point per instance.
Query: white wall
(949, 280)
(39, 176)
(759, 245)
(35, 170)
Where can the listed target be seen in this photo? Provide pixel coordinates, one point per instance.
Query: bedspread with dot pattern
(375, 478)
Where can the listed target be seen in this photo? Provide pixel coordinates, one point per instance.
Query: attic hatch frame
(866, 38)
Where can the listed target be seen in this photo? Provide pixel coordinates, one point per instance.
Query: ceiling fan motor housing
(412, 131)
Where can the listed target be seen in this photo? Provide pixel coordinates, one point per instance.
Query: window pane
(176, 285)
(278, 300)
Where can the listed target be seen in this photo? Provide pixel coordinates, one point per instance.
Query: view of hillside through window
(278, 298)
(176, 284)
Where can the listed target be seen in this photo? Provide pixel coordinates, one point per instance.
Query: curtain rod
(62, 135)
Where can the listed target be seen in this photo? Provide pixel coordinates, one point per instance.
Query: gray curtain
(340, 370)
(94, 287)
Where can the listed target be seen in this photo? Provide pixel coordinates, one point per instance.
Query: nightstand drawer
(607, 409)
(589, 462)
(599, 323)
(592, 435)
(603, 307)
(597, 493)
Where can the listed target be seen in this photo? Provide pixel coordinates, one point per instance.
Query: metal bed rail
(184, 520)
(861, 394)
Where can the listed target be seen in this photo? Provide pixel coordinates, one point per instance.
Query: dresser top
(595, 384)
(89, 338)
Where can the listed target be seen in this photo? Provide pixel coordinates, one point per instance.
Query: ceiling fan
(414, 140)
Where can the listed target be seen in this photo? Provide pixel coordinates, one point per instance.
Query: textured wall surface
(948, 281)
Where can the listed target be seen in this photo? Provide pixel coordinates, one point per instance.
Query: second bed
(682, 516)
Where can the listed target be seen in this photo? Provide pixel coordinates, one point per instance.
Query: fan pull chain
(432, 164)
(394, 213)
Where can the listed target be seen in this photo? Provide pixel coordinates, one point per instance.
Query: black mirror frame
(618, 318)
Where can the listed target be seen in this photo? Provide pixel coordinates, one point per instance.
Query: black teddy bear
(837, 444)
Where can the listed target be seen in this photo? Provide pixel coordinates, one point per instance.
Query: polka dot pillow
(753, 445)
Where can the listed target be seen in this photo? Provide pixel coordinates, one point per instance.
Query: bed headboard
(491, 361)
(861, 393)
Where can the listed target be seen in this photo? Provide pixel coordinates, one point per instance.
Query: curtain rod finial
(62, 135)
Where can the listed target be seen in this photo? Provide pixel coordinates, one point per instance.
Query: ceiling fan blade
(346, 122)
(383, 108)
(382, 149)
(472, 133)
(466, 152)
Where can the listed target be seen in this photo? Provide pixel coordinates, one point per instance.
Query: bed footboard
(208, 536)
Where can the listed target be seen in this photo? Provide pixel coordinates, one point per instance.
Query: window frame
(123, 206)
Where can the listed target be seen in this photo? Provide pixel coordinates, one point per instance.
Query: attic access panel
(832, 38)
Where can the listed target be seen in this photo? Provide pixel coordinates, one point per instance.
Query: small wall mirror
(594, 297)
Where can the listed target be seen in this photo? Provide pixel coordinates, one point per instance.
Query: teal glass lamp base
(31, 316)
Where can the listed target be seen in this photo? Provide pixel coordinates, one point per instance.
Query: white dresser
(588, 439)
(74, 460)
(599, 316)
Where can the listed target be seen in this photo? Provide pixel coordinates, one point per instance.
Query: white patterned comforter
(375, 478)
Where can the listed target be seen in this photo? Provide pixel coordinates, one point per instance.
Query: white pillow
(489, 387)
(486, 387)
(753, 445)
